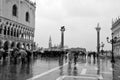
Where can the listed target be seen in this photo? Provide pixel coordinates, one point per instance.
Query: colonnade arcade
(13, 33)
(14, 30)
(9, 45)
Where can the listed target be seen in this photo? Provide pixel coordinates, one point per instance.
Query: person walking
(75, 58)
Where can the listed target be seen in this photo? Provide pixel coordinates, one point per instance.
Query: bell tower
(50, 43)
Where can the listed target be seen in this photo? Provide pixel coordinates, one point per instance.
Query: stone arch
(13, 44)
(7, 23)
(18, 45)
(6, 45)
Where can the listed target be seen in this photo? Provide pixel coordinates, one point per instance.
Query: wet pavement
(45, 68)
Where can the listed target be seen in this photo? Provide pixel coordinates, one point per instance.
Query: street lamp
(62, 36)
(112, 41)
(102, 45)
(98, 47)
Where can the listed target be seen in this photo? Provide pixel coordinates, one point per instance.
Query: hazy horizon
(80, 17)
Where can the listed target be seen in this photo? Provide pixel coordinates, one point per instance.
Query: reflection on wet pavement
(19, 71)
(11, 71)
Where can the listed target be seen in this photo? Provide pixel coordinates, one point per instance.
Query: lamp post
(62, 36)
(98, 47)
(112, 41)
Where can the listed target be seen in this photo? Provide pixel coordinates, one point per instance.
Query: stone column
(3, 29)
(13, 31)
(29, 36)
(16, 32)
(62, 36)
(10, 31)
(6, 30)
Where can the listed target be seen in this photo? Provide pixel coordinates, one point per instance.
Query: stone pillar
(3, 29)
(30, 46)
(26, 34)
(62, 36)
(10, 30)
(16, 32)
(6, 30)
(13, 31)
(32, 36)
(23, 34)
(19, 33)
(29, 36)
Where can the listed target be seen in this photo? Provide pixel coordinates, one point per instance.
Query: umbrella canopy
(22, 52)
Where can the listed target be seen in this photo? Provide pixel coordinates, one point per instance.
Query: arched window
(14, 10)
(27, 17)
(5, 28)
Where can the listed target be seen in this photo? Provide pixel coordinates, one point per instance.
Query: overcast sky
(80, 17)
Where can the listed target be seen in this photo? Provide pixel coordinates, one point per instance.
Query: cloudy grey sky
(80, 17)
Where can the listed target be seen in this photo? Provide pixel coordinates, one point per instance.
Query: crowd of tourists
(15, 55)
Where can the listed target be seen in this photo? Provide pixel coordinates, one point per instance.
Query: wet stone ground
(19, 71)
(39, 65)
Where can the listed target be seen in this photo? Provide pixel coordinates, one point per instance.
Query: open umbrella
(23, 53)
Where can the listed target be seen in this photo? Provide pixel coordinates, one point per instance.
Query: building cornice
(30, 2)
(115, 23)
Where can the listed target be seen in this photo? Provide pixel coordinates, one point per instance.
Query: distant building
(50, 43)
(78, 49)
(17, 23)
(116, 33)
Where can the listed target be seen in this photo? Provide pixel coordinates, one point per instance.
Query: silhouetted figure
(75, 71)
(4, 55)
(94, 55)
(75, 58)
(69, 70)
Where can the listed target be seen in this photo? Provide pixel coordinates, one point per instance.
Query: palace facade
(17, 24)
(116, 33)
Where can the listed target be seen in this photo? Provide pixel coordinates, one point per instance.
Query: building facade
(116, 33)
(17, 23)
